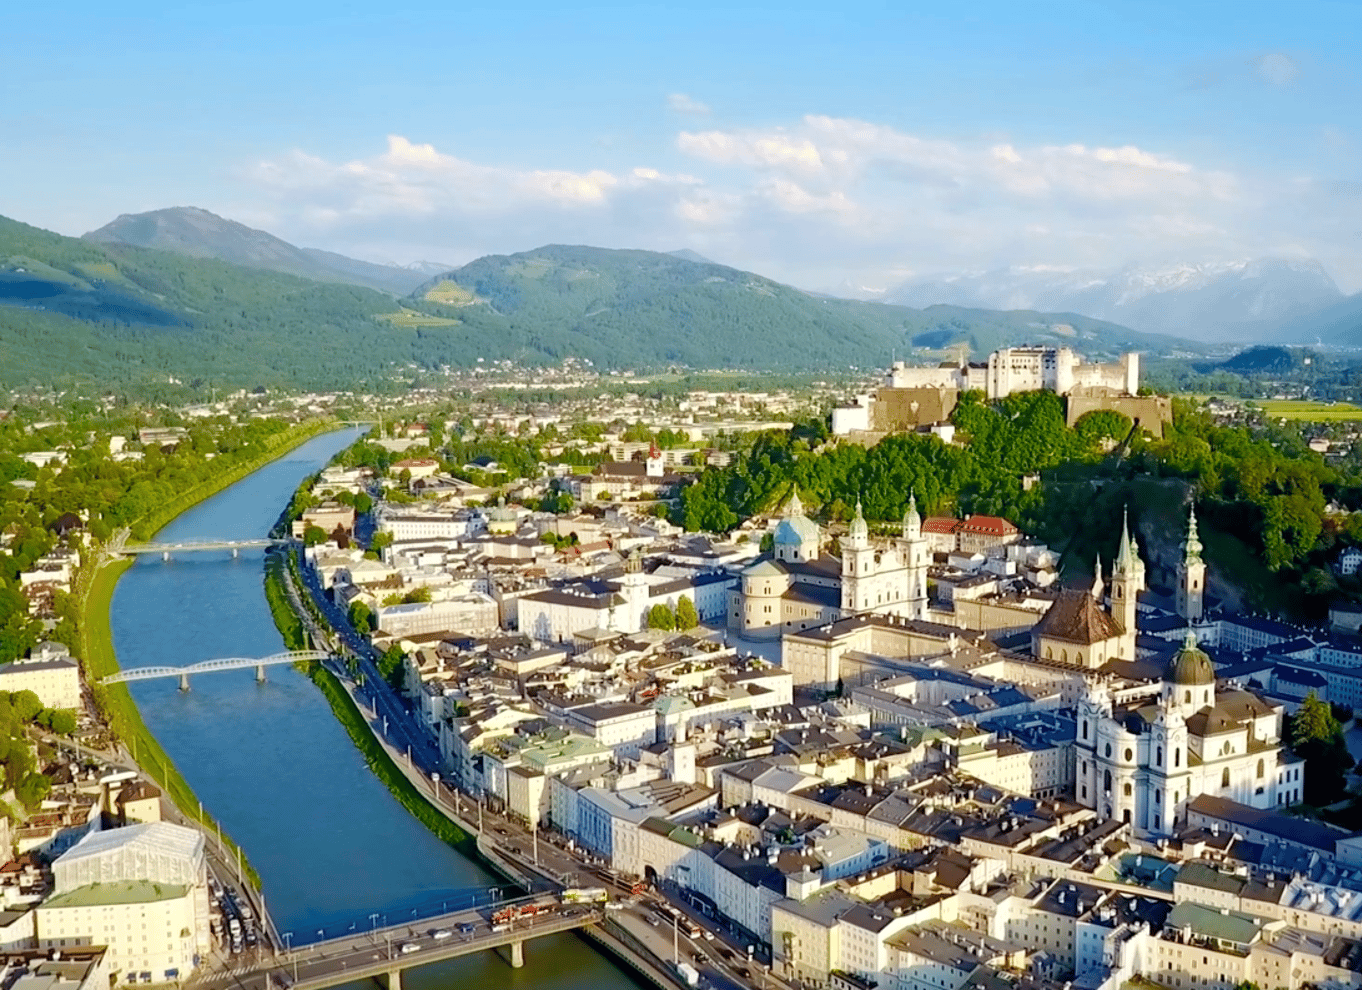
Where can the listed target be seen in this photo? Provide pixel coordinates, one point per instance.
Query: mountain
(199, 234)
(1339, 325)
(686, 254)
(1234, 301)
(623, 307)
(77, 312)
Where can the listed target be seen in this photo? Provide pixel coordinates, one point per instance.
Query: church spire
(858, 532)
(1192, 548)
(1098, 586)
(1125, 551)
(912, 522)
(794, 508)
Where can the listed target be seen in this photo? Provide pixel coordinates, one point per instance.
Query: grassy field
(1312, 412)
(409, 318)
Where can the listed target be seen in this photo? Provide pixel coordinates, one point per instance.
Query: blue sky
(819, 144)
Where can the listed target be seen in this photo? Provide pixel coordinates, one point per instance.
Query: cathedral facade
(1141, 761)
(799, 586)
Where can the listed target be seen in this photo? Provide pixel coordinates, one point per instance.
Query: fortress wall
(1153, 412)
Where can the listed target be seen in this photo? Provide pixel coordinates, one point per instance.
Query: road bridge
(165, 549)
(211, 666)
(383, 953)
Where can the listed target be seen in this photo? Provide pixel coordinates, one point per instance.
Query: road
(364, 954)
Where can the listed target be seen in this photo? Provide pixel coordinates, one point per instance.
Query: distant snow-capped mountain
(1237, 300)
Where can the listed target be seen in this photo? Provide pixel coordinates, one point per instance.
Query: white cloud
(1276, 68)
(817, 201)
(681, 103)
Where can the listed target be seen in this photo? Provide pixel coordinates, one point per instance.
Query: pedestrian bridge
(192, 546)
(212, 666)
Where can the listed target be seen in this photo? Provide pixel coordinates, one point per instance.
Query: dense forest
(1261, 493)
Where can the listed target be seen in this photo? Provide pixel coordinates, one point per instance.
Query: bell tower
(916, 559)
(1127, 581)
(1191, 587)
(858, 565)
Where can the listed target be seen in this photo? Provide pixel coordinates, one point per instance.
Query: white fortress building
(921, 396)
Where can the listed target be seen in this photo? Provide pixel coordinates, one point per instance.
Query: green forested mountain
(602, 304)
(73, 310)
(200, 234)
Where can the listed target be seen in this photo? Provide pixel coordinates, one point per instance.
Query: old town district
(908, 760)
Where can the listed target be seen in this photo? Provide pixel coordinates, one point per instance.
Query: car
(653, 921)
(699, 958)
(441, 933)
(409, 947)
(466, 927)
(744, 972)
(726, 952)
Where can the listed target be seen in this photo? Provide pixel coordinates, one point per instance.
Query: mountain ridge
(199, 233)
(1219, 301)
(80, 310)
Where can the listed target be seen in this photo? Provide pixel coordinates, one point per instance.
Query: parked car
(409, 947)
(441, 933)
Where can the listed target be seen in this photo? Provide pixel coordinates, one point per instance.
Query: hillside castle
(922, 397)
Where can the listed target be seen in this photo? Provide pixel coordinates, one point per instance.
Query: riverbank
(97, 655)
(293, 629)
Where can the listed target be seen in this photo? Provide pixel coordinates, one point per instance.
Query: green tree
(686, 616)
(361, 617)
(381, 540)
(63, 722)
(313, 535)
(363, 503)
(1317, 738)
(660, 616)
(27, 705)
(416, 595)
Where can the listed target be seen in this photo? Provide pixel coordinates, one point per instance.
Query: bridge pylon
(260, 673)
(184, 682)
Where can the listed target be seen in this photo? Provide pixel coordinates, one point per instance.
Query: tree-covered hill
(630, 307)
(76, 311)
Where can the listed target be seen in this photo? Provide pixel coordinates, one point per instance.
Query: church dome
(1190, 665)
(796, 531)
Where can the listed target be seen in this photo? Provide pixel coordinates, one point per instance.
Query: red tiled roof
(988, 526)
(940, 524)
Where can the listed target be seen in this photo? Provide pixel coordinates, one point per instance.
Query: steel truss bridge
(212, 666)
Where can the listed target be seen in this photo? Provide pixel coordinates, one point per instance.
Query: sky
(826, 145)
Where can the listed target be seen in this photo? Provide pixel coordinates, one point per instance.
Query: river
(271, 763)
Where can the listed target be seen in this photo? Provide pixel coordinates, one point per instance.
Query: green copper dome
(1190, 665)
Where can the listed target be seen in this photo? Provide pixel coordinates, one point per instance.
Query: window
(1158, 753)
(1064, 655)
(1187, 697)
(1130, 754)
(1108, 750)
(1049, 653)
(1260, 768)
(1085, 729)
(1225, 777)
(1177, 757)
(1127, 789)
